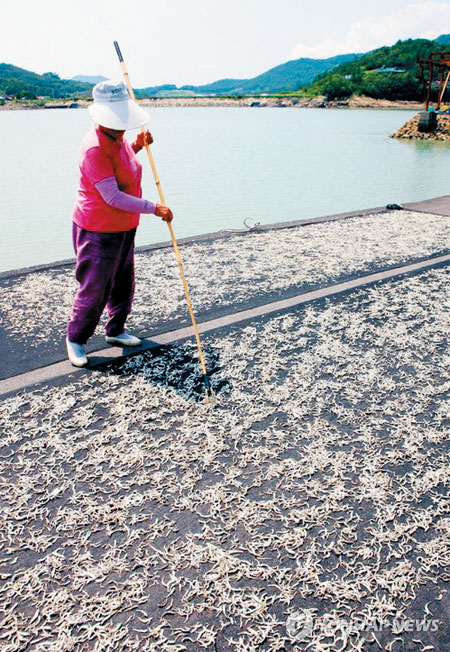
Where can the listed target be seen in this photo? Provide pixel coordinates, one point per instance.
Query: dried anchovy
(317, 254)
(313, 483)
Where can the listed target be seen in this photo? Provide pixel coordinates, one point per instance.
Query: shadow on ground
(176, 366)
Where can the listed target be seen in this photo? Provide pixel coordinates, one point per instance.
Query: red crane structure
(440, 62)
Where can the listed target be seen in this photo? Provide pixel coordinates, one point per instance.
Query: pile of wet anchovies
(136, 518)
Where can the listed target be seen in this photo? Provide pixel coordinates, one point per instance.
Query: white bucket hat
(113, 108)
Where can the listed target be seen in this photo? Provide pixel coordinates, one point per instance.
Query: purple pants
(105, 273)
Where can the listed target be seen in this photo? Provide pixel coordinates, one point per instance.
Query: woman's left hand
(143, 138)
(164, 212)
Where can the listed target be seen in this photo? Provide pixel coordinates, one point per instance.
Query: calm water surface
(217, 166)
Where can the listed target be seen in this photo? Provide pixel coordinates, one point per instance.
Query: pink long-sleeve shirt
(109, 194)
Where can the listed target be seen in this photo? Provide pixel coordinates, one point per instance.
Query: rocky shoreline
(410, 129)
(357, 102)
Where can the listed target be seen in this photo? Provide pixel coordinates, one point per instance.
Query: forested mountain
(24, 84)
(288, 76)
(387, 72)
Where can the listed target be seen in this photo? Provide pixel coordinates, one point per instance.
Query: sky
(199, 41)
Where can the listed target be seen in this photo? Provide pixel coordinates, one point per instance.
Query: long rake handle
(172, 235)
(444, 88)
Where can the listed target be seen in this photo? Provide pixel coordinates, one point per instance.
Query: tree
(391, 86)
(338, 88)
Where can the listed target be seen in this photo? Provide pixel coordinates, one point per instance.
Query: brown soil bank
(411, 129)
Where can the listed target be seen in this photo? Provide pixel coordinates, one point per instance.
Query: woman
(105, 218)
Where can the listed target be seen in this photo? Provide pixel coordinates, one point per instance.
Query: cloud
(424, 20)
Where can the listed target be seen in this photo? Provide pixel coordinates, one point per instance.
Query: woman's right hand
(164, 212)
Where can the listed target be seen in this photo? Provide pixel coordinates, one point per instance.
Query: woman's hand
(164, 212)
(143, 138)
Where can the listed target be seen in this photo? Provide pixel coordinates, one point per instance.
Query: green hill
(285, 77)
(24, 84)
(388, 72)
(385, 73)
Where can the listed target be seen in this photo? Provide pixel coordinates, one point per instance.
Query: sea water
(217, 167)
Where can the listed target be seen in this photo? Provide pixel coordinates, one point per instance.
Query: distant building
(390, 70)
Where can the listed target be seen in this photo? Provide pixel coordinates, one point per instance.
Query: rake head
(210, 397)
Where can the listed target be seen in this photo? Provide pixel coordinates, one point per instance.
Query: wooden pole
(430, 80)
(208, 388)
(422, 79)
(441, 81)
(444, 88)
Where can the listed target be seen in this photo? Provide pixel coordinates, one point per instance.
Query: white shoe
(124, 339)
(77, 354)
